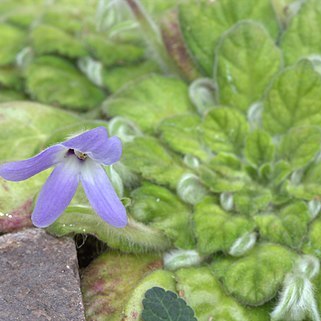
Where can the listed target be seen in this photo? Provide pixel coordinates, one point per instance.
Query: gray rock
(39, 278)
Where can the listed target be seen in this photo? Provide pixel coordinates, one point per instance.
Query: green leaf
(298, 41)
(112, 53)
(109, 281)
(115, 78)
(181, 133)
(313, 242)
(242, 82)
(160, 208)
(146, 156)
(294, 99)
(12, 41)
(300, 145)
(259, 148)
(288, 226)
(203, 22)
(223, 174)
(50, 40)
(224, 130)
(262, 269)
(161, 305)
(217, 230)
(55, 81)
(205, 295)
(134, 238)
(150, 100)
(252, 199)
(24, 129)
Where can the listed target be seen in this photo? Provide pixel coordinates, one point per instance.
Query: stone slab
(39, 278)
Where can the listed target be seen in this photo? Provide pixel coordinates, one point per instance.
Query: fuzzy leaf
(294, 99)
(160, 208)
(149, 101)
(50, 40)
(181, 134)
(134, 238)
(161, 305)
(303, 35)
(55, 81)
(114, 79)
(215, 229)
(112, 53)
(203, 22)
(204, 294)
(262, 270)
(145, 155)
(252, 199)
(224, 130)
(259, 148)
(313, 242)
(12, 41)
(287, 227)
(300, 145)
(242, 82)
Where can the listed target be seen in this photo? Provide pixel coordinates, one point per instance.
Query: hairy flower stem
(152, 36)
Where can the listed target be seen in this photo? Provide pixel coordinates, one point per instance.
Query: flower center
(80, 155)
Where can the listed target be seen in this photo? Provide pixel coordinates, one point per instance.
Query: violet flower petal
(57, 192)
(102, 195)
(96, 144)
(21, 170)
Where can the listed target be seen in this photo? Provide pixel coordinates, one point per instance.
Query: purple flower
(77, 159)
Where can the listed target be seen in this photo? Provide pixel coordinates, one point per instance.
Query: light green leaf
(148, 101)
(146, 156)
(159, 303)
(242, 82)
(300, 145)
(205, 295)
(50, 40)
(252, 199)
(55, 81)
(217, 230)
(262, 271)
(109, 281)
(203, 22)
(134, 238)
(12, 41)
(181, 133)
(303, 35)
(259, 148)
(224, 130)
(160, 208)
(313, 242)
(112, 53)
(288, 227)
(294, 99)
(114, 79)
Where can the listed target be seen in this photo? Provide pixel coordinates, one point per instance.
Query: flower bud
(314, 208)
(254, 115)
(191, 161)
(115, 180)
(181, 258)
(202, 93)
(243, 244)
(92, 69)
(124, 129)
(190, 189)
(227, 201)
